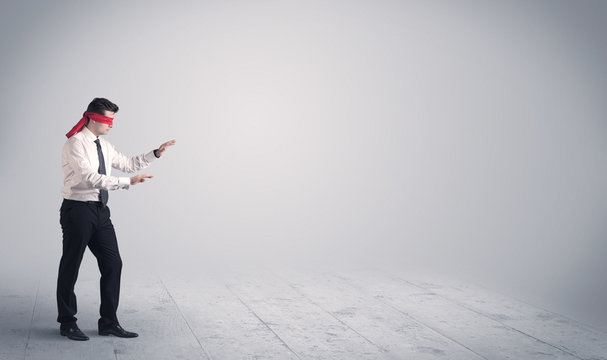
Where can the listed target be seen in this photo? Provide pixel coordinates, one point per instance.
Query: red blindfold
(92, 116)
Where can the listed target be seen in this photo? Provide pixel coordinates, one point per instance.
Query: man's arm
(135, 163)
(130, 164)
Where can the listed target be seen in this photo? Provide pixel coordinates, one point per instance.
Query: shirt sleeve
(131, 164)
(78, 161)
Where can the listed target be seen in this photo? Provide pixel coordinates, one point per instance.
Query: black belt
(98, 203)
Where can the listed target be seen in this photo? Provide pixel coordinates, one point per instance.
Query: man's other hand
(164, 146)
(140, 178)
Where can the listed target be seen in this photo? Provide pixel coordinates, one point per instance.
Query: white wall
(364, 132)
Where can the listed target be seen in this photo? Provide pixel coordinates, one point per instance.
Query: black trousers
(88, 224)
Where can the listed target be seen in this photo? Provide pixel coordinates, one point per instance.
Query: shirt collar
(88, 134)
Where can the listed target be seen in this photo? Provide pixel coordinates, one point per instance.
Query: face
(99, 128)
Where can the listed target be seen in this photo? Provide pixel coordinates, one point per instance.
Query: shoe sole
(72, 338)
(124, 337)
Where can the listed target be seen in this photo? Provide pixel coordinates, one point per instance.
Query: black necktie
(103, 195)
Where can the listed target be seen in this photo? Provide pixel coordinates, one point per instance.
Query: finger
(146, 176)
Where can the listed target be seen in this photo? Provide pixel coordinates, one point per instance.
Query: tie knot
(97, 142)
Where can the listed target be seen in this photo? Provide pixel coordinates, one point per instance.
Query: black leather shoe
(116, 330)
(73, 332)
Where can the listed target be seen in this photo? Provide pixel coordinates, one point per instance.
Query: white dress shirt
(80, 163)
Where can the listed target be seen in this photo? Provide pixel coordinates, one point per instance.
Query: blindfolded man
(87, 161)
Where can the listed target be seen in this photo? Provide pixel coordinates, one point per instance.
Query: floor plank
(559, 331)
(147, 308)
(482, 335)
(226, 327)
(310, 331)
(393, 331)
(17, 306)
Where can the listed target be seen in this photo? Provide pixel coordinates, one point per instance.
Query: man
(87, 160)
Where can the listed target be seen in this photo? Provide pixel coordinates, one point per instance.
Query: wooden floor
(364, 314)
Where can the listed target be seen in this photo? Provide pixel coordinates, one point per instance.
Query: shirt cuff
(124, 182)
(149, 157)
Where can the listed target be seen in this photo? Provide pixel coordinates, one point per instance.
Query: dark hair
(98, 105)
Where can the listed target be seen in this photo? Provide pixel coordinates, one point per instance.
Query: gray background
(464, 136)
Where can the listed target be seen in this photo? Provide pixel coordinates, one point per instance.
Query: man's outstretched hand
(164, 146)
(140, 178)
